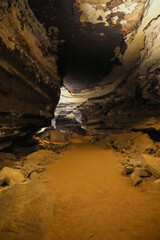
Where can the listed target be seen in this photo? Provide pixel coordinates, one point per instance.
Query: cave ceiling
(92, 35)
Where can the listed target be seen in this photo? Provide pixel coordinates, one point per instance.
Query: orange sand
(92, 200)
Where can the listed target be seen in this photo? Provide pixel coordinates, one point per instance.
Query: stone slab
(152, 164)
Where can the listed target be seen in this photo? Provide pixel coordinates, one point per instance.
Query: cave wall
(148, 65)
(136, 98)
(130, 92)
(29, 82)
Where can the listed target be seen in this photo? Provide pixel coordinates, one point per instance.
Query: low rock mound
(26, 212)
(134, 141)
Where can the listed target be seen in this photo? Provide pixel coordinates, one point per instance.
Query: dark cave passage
(84, 52)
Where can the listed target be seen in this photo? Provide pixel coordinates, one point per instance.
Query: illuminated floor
(92, 200)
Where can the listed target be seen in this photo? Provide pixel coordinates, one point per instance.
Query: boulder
(141, 172)
(124, 172)
(129, 169)
(135, 179)
(144, 144)
(136, 160)
(36, 161)
(34, 176)
(152, 164)
(57, 136)
(41, 157)
(26, 212)
(133, 141)
(10, 176)
(29, 167)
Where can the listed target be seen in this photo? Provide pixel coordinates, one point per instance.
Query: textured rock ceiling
(124, 13)
(92, 34)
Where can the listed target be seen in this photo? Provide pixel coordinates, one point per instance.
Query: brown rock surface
(28, 72)
(36, 162)
(152, 164)
(7, 159)
(156, 185)
(132, 141)
(26, 212)
(10, 176)
(135, 179)
(57, 136)
(141, 172)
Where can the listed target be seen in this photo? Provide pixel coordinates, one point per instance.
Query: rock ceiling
(91, 34)
(124, 13)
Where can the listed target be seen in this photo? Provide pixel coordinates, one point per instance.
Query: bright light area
(42, 130)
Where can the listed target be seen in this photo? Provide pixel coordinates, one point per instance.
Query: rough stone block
(135, 179)
(10, 176)
(152, 164)
(57, 136)
(141, 172)
(129, 169)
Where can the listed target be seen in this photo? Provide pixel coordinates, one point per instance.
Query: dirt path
(92, 200)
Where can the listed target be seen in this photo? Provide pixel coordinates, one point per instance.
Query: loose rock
(57, 136)
(10, 176)
(152, 164)
(135, 179)
(141, 172)
(129, 169)
(34, 176)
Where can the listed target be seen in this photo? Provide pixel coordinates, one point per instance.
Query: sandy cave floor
(92, 200)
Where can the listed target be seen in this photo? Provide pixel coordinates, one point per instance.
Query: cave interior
(80, 84)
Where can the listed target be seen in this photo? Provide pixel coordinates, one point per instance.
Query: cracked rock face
(149, 63)
(29, 82)
(110, 13)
